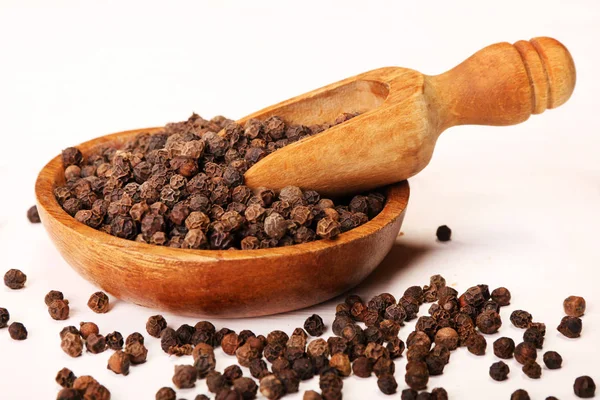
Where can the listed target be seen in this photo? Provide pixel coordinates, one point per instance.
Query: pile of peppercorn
(184, 187)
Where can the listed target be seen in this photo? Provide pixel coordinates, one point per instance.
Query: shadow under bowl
(214, 283)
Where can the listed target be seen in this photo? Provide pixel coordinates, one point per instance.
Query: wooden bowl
(212, 283)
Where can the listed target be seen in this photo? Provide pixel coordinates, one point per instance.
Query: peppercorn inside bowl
(216, 283)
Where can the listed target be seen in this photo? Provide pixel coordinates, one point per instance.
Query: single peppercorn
(216, 382)
(521, 319)
(134, 337)
(501, 296)
(59, 310)
(15, 279)
(155, 325)
(271, 387)
(439, 394)
(574, 306)
(552, 359)
(71, 344)
(584, 387)
(88, 328)
(409, 394)
(314, 325)
(114, 341)
(504, 347)
(443, 233)
(520, 394)
(4, 317)
(65, 378)
(119, 362)
(489, 322)
(17, 331)
(476, 344)
(232, 373)
(525, 352)
(417, 375)
(246, 387)
(69, 394)
(95, 343)
(83, 382)
(532, 369)
(137, 352)
(387, 383)
(535, 336)
(311, 395)
(33, 216)
(53, 295)
(447, 337)
(570, 327)
(166, 393)
(98, 302)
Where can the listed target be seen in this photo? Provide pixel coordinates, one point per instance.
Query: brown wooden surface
(217, 283)
(404, 112)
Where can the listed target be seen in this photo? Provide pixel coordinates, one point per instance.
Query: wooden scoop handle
(503, 84)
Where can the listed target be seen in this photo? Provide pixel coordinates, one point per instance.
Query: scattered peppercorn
(501, 296)
(15, 279)
(33, 216)
(155, 325)
(69, 394)
(166, 393)
(71, 344)
(525, 352)
(119, 362)
(59, 310)
(521, 319)
(4, 317)
(114, 341)
(443, 233)
(271, 387)
(584, 387)
(314, 325)
(520, 394)
(570, 327)
(246, 387)
(95, 343)
(88, 328)
(65, 378)
(504, 347)
(137, 352)
(134, 337)
(53, 295)
(417, 375)
(552, 359)
(532, 369)
(17, 331)
(387, 383)
(447, 337)
(574, 306)
(476, 344)
(98, 303)
(499, 371)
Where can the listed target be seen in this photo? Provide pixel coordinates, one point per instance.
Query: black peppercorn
(552, 359)
(314, 325)
(570, 327)
(443, 233)
(499, 371)
(584, 387)
(17, 331)
(15, 279)
(504, 347)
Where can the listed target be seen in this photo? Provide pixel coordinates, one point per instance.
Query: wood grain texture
(403, 112)
(217, 283)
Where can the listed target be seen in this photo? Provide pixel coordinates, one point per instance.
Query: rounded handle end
(551, 71)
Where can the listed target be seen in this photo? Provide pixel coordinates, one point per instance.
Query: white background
(522, 201)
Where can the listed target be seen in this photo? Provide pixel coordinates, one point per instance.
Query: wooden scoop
(403, 112)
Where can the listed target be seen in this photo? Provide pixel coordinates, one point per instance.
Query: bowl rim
(397, 196)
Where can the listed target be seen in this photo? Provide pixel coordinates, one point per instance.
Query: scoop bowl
(212, 283)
